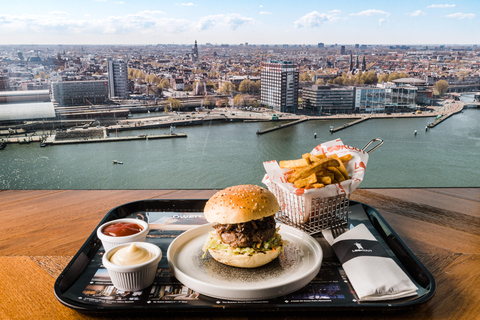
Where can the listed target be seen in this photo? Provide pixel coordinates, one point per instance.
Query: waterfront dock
(349, 124)
(440, 119)
(51, 140)
(282, 126)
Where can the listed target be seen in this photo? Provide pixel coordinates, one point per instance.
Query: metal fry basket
(313, 215)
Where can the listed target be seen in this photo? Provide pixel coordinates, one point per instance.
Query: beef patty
(247, 233)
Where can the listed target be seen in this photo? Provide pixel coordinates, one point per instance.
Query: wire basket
(310, 215)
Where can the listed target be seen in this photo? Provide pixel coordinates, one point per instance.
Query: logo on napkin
(349, 249)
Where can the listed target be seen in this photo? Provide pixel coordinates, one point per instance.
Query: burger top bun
(241, 203)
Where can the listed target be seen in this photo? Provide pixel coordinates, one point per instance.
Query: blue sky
(234, 22)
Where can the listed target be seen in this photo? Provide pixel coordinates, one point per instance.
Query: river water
(221, 155)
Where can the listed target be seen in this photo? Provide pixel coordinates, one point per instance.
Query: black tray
(84, 285)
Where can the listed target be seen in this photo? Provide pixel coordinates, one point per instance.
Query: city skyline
(147, 22)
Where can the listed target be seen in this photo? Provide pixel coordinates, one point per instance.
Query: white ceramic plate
(288, 273)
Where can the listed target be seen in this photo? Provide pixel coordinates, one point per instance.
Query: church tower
(195, 52)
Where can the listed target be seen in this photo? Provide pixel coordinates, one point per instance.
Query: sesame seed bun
(241, 203)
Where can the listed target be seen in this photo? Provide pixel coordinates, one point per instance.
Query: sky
(140, 22)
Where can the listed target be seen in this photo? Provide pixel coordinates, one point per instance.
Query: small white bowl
(110, 242)
(134, 277)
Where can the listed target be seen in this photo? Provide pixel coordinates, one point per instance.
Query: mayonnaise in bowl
(132, 266)
(131, 255)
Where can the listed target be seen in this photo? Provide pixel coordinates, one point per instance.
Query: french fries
(316, 171)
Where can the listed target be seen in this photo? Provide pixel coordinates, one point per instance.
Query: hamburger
(245, 232)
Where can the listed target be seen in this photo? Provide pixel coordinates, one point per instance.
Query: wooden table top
(41, 230)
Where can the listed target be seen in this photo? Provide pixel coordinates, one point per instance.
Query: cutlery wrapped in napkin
(374, 275)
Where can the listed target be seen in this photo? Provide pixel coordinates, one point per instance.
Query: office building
(342, 50)
(117, 79)
(321, 45)
(389, 98)
(77, 93)
(318, 100)
(279, 86)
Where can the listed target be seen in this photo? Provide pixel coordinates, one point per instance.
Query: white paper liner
(355, 168)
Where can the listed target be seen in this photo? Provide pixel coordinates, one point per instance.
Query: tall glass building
(279, 86)
(117, 79)
(386, 99)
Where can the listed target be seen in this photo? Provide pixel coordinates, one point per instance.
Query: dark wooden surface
(41, 230)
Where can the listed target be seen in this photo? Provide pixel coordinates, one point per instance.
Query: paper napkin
(374, 275)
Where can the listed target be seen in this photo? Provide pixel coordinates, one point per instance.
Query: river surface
(221, 155)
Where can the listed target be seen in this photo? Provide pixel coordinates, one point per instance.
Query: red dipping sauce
(122, 229)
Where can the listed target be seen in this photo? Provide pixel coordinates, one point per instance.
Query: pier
(51, 140)
(281, 126)
(458, 108)
(346, 125)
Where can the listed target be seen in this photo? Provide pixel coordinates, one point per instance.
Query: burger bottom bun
(243, 260)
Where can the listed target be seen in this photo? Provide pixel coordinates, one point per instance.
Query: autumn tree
(368, 77)
(174, 104)
(320, 82)
(383, 78)
(164, 84)
(305, 76)
(246, 86)
(441, 86)
(209, 101)
(227, 87)
(239, 100)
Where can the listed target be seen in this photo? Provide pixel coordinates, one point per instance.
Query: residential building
(279, 86)
(319, 100)
(75, 93)
(117, 79)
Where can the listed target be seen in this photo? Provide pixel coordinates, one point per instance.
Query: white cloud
(461, 16)
(190, 4)
(150, 12)
(370, 12)
(315, 19)
(60, 23)
(441, 6)
(265, 12)
(416, 13)
(58, 13)
(232, 21)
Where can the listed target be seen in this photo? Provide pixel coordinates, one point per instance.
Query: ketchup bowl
(132, 275)
(117, 232)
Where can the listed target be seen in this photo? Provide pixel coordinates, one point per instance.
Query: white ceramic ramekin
(135, 277)
(109, 242)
